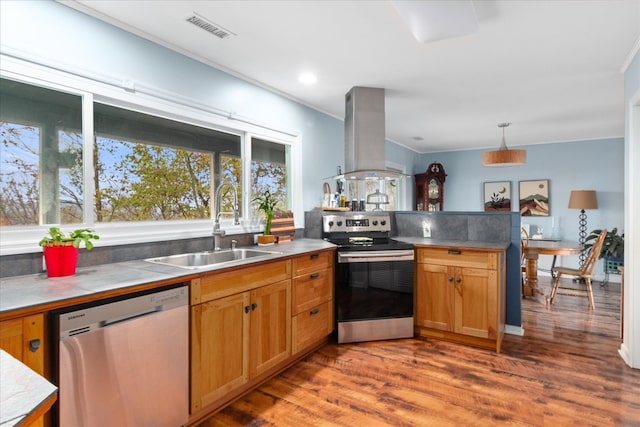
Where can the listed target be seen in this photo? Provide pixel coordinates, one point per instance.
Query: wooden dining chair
(585, 273)
(524, 242)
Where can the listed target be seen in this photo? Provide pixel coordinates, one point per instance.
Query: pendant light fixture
(504, 156)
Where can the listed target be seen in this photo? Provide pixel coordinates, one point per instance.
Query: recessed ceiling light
(307, 78)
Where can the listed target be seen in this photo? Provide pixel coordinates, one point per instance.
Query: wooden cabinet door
(475, 302)
(460, 295)
(219, 348)
(24, 339)
(310, 326)
(433, 303)
(270, 330)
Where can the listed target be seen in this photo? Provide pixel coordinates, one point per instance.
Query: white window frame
(24, 239)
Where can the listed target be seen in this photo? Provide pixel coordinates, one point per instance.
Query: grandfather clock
(430, 188)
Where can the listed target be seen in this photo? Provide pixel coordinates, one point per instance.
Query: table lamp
(583, 199)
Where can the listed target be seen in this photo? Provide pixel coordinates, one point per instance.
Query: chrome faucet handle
(233, 244)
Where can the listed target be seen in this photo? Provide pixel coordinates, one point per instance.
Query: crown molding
(632, 54)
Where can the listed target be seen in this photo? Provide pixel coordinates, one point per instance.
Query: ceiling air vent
(209, 26)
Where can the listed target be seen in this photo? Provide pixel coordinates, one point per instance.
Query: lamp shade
(583, 199)
(503, 156)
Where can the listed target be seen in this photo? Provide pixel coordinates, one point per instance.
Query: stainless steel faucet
(217, 232)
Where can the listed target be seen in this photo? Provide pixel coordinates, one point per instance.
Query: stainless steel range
(374, 278)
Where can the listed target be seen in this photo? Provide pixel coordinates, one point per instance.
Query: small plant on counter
(266, 203)
(61, 250)
(58, 238)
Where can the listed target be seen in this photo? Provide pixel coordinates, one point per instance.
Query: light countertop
(33, 290)
(22, 391)
(21, 292)
(427, 241)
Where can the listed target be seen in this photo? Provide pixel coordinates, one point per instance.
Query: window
(154, 169)
(147, 165)
(269, 171)
(41, 174)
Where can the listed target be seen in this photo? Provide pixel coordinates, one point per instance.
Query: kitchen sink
(210, 258)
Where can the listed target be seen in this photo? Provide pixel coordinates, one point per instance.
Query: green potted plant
(613, 246)
(267, 204)
(612, 250)
(61, 250)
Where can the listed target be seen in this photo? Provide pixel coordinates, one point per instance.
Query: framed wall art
(497, 196)
(534, 198)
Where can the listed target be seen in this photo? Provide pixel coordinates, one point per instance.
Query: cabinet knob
(450, 278)
(254, 306)
(314, 311)
(34, 345)
(314, 275)
(314, 256)
(247, 309)
(458, 279)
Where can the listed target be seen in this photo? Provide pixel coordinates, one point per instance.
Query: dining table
(537, 247)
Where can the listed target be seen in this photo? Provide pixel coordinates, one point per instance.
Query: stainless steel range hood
(364, 131)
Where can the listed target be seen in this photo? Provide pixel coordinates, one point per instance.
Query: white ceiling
(551, 68)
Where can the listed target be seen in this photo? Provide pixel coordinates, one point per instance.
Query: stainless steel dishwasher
(125, 362)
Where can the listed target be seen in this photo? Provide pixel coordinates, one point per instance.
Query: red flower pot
(61, 260)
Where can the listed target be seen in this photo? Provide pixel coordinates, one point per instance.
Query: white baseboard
(613, 278)
(623, 351)
(514, 330)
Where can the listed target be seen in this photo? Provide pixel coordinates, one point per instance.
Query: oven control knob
(383, 222)
(330, 223)
(339, 223)
(375, 222)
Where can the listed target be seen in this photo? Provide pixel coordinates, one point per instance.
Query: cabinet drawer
(311, 326)
(312, 289)
(312, 262)
(458, 257)
(228, 282)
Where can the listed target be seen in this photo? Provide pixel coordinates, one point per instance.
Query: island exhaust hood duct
(364, 131)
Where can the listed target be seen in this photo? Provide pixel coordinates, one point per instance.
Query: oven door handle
(375, 256)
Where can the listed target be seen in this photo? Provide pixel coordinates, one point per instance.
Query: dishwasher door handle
(115, 321)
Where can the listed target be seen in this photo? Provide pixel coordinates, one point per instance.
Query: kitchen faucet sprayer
(217, 211)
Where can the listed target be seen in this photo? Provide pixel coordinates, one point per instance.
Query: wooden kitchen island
(461, 294)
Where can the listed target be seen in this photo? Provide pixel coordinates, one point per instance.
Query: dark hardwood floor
(565, 371)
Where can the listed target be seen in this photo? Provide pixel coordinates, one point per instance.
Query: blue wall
(78, 43)
(583, 165)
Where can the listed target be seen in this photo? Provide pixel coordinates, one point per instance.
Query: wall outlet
(426, 230)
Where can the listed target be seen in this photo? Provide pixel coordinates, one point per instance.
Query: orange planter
(61, 260)
(269, 239)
